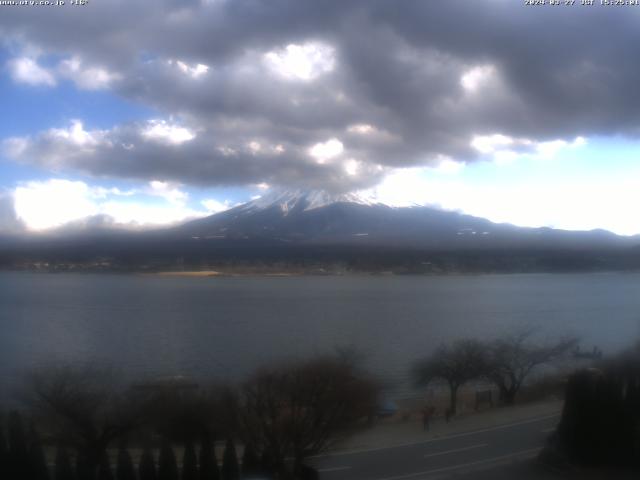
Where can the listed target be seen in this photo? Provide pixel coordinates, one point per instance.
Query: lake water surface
(226, 327)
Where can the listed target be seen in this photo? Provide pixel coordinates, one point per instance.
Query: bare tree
(300, 410)
(4, 450)
(83, 407)
(456, 364)
(512, 359)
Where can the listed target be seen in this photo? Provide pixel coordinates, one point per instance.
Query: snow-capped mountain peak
(303, 200)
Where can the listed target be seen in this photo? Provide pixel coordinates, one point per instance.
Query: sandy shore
(199, 273)
(215, 273)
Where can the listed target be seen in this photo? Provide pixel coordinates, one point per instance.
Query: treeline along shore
(257, 259)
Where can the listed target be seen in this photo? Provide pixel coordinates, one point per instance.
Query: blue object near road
(386, 408)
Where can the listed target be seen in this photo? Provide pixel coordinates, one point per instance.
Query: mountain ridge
(313, 232)
(316, 216)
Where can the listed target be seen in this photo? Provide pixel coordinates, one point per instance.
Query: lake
(225, 327)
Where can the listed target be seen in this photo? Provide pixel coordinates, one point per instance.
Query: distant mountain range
(314, 230)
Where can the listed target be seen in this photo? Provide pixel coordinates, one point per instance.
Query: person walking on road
(427, 413)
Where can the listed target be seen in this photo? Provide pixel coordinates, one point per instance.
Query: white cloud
(361, 128)
(170, 192)
(196, 70)
(578, 205)
(254, 146)
(491, 143)
(372, 134)
(102, 192)
(551, 148)
(326, 150)
(302, 62)
(505, 149)
(26, 70)
(505, 157)
(403, 187)
(566, 203)
(57, 146)
(477, 77)
(449, 166)
(164, 132)
(352, 166)
(140, 214)
(52, 203)
(87, 77)
(215, 206)
(579, 142)
(77, 135)
(49, 204)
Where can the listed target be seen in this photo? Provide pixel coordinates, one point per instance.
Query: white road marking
(437, 439)
(333, 469)
(456, 450)
(463, 465)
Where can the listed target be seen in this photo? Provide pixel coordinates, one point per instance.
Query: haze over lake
(226, 327)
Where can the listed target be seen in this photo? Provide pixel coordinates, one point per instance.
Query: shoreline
(216, 273)
(305, 273)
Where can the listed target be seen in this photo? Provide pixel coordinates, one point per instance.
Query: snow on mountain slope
(300, 200)
(317, 217)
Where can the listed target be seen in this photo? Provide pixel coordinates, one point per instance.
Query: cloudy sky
(151, 112)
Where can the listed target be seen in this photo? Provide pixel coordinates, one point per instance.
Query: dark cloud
(537, 73)
(134, 152)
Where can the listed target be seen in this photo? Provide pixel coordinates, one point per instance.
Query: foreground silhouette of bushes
(89, 420)
(34, 467)
(163, 466)
(600, 424)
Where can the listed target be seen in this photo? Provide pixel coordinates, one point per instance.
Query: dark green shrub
(147, 466)
(208, 462)
(4, 451)
(124, 467)
(230, 467)
(18, 455)
(104, 469)
(189, 463)
(63, 469)
(250, 462)
(37, 459)
(167, 465)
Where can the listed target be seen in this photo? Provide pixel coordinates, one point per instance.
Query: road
(438, 457)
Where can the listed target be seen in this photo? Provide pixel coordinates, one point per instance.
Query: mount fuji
(314, 231)
(317, 217)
